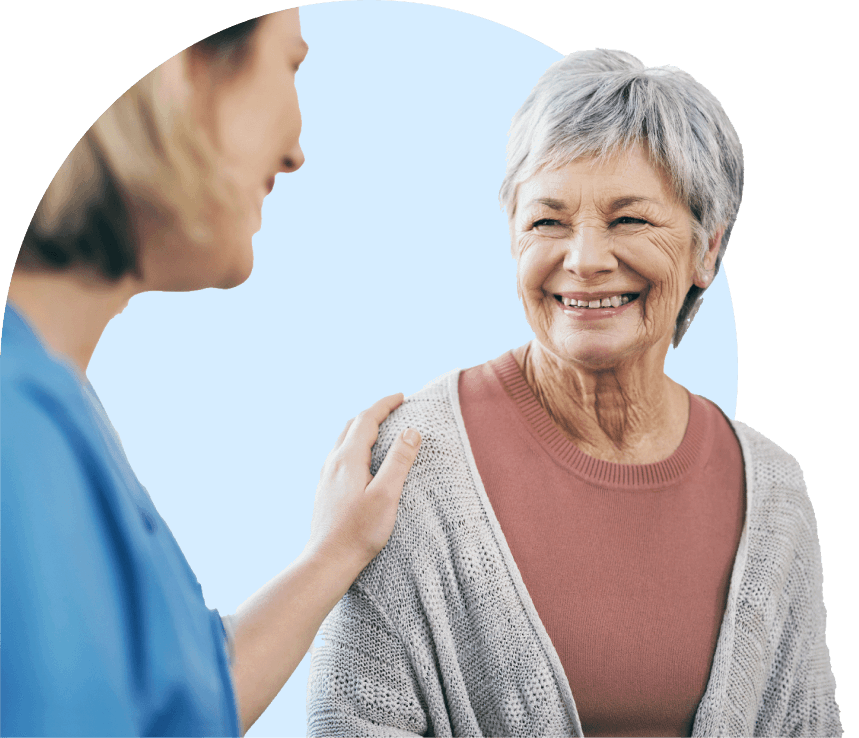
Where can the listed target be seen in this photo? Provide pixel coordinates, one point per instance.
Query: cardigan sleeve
(361, 679)
(812, 709)
(783, 586)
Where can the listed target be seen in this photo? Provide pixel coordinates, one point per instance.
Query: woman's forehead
(286, 25)
(627, 177)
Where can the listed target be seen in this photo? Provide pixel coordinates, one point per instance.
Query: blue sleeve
(69, 649)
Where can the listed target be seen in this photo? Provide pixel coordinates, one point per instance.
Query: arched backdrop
(384, 262)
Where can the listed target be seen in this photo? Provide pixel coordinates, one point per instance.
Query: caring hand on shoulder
(354, 512)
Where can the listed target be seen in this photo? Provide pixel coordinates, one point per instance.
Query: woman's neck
(69, 310)
(633, 414)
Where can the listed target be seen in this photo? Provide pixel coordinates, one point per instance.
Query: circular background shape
(381, 264)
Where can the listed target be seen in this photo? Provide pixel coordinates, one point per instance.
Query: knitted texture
(438, 636)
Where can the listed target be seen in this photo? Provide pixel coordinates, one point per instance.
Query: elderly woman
(105, 630)
(582, 546)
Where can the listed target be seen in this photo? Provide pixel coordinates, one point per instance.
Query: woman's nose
(589, 254)
(292, 161)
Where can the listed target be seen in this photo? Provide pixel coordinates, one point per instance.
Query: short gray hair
(598, 103)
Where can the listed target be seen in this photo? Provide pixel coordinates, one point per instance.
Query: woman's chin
(238, 274)
(596, 352)
(193, 275)
(231, 263)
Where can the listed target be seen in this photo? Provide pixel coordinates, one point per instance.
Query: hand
(354, 512)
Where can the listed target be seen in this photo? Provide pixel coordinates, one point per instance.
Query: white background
(381, 263)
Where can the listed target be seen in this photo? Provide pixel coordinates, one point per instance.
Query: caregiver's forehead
(287, 26)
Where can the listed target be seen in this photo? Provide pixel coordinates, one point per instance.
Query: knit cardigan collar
(714, 693)
(770, 672)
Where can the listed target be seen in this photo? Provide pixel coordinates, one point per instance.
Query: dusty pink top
(628, 565)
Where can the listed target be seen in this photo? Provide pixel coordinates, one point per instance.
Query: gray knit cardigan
(438, 636)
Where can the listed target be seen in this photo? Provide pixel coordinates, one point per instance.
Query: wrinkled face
(605, 259)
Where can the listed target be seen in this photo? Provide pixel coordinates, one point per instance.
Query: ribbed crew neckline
(603, 473)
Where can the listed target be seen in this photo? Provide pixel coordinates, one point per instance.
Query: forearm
(353, 515)
(274, 628)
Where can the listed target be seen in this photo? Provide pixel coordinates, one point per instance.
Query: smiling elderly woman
(576, 523)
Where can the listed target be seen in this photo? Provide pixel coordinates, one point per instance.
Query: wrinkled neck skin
(628, 414)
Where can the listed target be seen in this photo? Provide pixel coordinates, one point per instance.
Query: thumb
(399, 459)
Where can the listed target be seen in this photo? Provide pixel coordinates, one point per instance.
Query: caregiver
(105, 631)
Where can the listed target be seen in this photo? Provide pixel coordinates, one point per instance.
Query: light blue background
(381, 264)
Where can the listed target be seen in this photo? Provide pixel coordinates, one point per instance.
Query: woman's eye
(545, 222)
(629, 220)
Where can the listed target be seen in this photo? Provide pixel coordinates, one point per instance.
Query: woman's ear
(706, 270)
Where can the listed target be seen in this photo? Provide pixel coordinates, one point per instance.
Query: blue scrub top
(104, 627)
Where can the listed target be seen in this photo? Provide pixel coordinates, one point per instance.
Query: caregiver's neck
(630, 414)
(69, 310)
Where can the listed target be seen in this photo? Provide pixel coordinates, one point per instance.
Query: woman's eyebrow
(549, 202)
(623, 202)
(616, 204)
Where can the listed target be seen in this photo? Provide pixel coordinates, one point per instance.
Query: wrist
(334, 563)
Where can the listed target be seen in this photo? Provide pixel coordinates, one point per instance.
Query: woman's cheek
(532, 271)
(678, 269)
(527, 270)
(670, 266)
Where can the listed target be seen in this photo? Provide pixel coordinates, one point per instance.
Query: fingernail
(412, 437)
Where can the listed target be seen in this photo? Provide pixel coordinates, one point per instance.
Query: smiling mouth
(606, 302)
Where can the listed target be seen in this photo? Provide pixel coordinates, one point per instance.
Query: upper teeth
(613, 301)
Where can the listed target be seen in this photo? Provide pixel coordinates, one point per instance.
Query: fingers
(369, 421)
(392, 473)
(365, 428)
(381, 409)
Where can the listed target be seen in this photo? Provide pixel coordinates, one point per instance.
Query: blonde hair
(147, 156)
